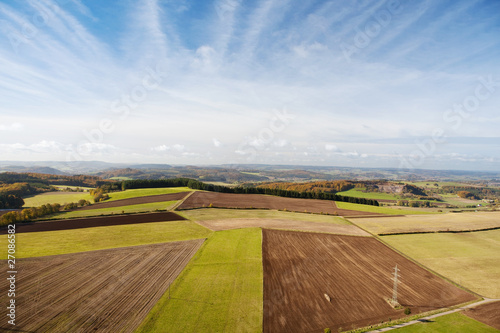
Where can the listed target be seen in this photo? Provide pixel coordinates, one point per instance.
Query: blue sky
(359, 83)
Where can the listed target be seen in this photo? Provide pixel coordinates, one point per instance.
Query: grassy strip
(37, 244)
(219, 291)
(148, 207)
(222, 213)
(56, 197)
(455, 322)
(431, 223)
(144, 192)
(470, 259)
(381, 210)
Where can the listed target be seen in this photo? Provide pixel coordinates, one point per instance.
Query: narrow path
(180, 202)
(486, 300)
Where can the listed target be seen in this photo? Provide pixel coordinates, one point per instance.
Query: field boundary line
(432, 316)
(418, 263)
(180, 202)
(437, 232)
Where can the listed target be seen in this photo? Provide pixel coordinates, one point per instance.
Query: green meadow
(220, 290)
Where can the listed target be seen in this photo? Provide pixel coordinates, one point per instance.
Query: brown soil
(98, 291)
(229, 200)
(137, 201)
(355, 272)
(488, 313)
(91, 222)
(226, 224)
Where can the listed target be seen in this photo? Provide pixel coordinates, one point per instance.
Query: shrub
(327, 330)
(407, 311)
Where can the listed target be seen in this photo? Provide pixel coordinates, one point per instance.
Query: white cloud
(161, 148)
(14, 127)
(216, 143)
(331, 147)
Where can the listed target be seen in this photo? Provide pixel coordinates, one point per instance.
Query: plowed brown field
(91, 222)
(355, 272)
(137, 201)
(230, 200)
(99, 291)
(488, 313)
(227, 224)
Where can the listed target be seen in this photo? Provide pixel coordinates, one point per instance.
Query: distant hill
(33, 169)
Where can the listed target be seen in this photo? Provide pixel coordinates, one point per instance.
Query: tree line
(32, 213)
(197, 185)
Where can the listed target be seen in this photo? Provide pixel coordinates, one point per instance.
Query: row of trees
(195, 184)
(25, 189)
(77, 180)
(331, 186)
(32, 213)
(11, 201)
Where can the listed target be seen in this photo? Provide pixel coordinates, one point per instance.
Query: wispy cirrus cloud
(227, 64)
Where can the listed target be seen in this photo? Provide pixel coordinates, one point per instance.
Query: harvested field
(431, 223)
(488, 313)
(91, 222)
(470, 258)
(355, 272)
(137, 201)
(99, 291)
(230, 200)
(333, 228)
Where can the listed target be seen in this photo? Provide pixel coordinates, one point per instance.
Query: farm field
(219, 291)
(431, 223)
(90, 222)
(229, 200)
(227, 224)
(140, 208)
(469, 259)
(56, 197)
(355, 272)
(95, 291)
(488, 313)
(455, 322)
(145, 192)
(221, 213)
(381, 210)
(137, 200)
(47, 243)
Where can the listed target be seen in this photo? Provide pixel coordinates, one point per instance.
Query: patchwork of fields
(94, 291)
(470, 259)
(431, 223)
(245, 278)
(355, 273)
(229, 200)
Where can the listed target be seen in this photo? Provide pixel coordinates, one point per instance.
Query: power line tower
(394, 300)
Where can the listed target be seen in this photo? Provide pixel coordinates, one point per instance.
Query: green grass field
(358, 193)
(56, 197)
(452, 323)
(144, 192)
(470, 259)
(141, 208)
(37, 244)
(220, 213)
(438, 222)
(220, 290)
(381, 210)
